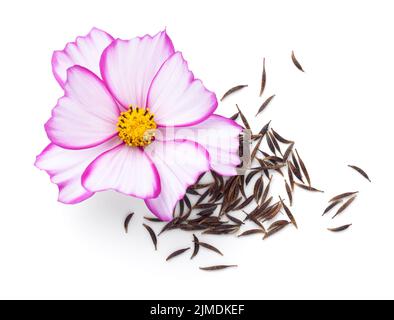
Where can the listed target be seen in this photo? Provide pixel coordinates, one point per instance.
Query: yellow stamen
(136, 127)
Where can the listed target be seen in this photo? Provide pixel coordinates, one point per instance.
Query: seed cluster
(243, 205)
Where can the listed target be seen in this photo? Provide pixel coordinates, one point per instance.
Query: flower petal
(85, 51)
(179, 164)
(218, 135)
(128, 67)
(87, 114)
(177, 98)
(65, 167)
(124, 169)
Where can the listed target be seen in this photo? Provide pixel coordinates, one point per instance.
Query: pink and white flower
(133, 119)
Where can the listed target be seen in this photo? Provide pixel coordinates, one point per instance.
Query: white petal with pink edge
(178, 99)
(217, 134)
(87, 114)
(85, 51)
(179, 164)
(124, 169)
(128, 67)
(65, 167)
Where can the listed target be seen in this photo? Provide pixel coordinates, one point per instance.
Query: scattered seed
(360, 171)
(303, 186)
(303, 168)
(177, 253)
(289, 193)
(241, 182)
(288, 151)
(207, 212)
(231, 206)
(258, 223)
(257, 190)
(265, 104)
(233, 219)
(243, 118)
(278, 224)
(216, 268)
(263, 79)
(221, 232)
(295, 171)
(202, 197)
(210, 247)
(200, 186)
(264, 166)
(275, 230)
(296, 63)
(250, 232)
(232, 90)
(256, 148)
(272, 212)
(295, 163)
(288, 213)
(332, 205)
(344, 206)
(192, 192)
(251, 175)
(280, 138)
(181, 207)
(234, 116)
(206, 206)
(196, 246)
(343, 195)
(170, 225)
(127, 221)
(339, 229)
(270, 143)
(151, 219)
(265, 128)
(187, 202)
(245, 203)
(152, 235)
(275, 142)
(291, 178)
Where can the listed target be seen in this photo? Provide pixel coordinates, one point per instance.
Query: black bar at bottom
(195, 309)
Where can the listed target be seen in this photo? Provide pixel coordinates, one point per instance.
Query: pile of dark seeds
(214, 204)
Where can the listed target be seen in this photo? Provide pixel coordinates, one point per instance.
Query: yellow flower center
(136, 127)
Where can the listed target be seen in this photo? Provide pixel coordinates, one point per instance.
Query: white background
(339, 112)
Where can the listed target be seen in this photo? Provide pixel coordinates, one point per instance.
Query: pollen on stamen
(136, 128)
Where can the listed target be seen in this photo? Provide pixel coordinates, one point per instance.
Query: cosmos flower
(133, 119)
